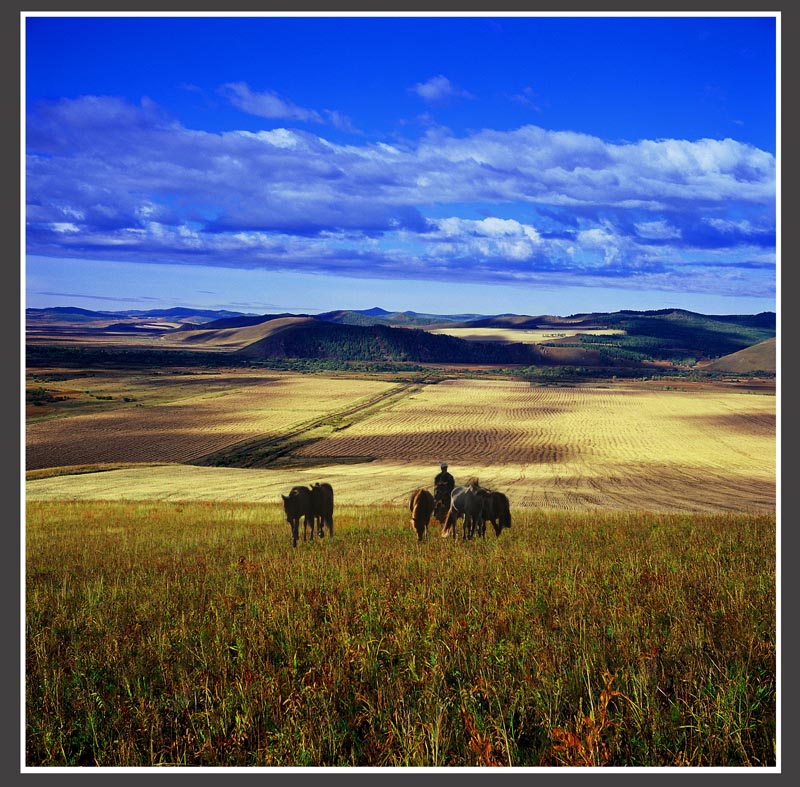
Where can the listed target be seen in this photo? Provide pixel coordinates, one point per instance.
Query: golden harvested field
(616, 447)
(178, 418)
(523, 335)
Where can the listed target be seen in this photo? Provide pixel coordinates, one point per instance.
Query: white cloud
(270, 105)
(438, 89)
(277, 137)
(527, 97)
(742, 226)
(490, 238)
(657, 230)
(266, 104)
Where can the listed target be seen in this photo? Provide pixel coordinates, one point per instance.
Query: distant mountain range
(73, 314)
(374, 316)
(671, 336)
(378, 316)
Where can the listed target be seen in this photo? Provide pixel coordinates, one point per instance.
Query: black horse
(322, 503)
(299, 503)
(496, 510)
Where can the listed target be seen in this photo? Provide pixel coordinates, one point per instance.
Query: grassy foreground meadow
(192, 634)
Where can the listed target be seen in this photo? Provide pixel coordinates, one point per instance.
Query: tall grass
(193, 634)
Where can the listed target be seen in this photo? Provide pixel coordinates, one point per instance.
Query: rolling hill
(310, 337)
(228, 334)
(761, 357)
(633, 338)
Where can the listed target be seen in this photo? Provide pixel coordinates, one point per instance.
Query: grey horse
(467, 502)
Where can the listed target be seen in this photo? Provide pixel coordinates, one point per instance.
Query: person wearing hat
(444, 478)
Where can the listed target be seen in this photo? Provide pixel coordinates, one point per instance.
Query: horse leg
(451, 524)
(446, 525)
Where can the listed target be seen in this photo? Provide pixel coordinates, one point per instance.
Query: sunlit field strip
(525, 336)
(485, 421)
(182, 430)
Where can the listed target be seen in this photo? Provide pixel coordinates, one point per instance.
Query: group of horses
(472, 503)
(314, 505)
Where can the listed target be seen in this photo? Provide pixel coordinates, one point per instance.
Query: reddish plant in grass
(586, 744)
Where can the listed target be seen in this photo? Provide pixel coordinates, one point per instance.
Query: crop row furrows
(171, 432)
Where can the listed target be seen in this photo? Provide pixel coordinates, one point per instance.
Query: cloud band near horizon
(106, 179)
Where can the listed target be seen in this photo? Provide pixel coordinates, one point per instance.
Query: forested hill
(610, 339)
(315, 339)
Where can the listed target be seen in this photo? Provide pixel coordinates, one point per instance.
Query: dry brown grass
(233, 338)
(194, 634)
(761, 356)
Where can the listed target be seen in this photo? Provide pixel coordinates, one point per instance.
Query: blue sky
(528, 164)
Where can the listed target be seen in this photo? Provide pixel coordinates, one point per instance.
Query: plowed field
(205, 414)
(619, 447)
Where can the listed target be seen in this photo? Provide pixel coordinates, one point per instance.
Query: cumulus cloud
(110, 180)
(439, 89)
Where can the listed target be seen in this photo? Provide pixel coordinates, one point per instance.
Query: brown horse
(322, 502)
(298, 503)
(421, 507)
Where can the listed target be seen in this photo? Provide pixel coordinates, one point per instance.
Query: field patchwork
(190, 423)
(567, 448)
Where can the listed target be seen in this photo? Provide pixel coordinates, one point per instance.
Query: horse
(322, 503)
(298, 503)
(466, 502)
(421, 506)
(496, 510)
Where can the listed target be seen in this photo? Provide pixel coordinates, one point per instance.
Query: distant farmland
(617, 447)
(524, 335)
(178, 418)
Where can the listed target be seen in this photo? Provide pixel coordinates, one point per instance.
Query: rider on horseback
(443, 485)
